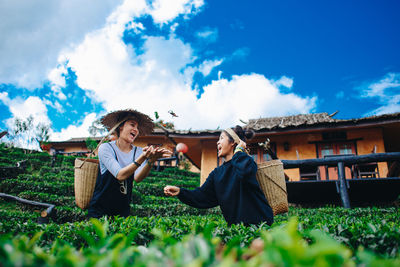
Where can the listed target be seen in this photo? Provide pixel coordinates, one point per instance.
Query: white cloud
(391, 107)
(284, 81)
(57, 78)
(204, 68)
(245, 97)
(160, 78)
(382, 88)
(33, 33)
(208, 34)
(4, 98)
(208, 65)
(23, 108)
(36, 107)
(386, 91)
(80, 130)
(54, 104)
(115, 76)
(241, 53)
(164, 11)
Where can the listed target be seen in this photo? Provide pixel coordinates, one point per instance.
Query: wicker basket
(271, 178)
(85, 179)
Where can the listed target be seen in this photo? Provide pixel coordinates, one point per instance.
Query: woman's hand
(171, 191)
(147, 151)
(159, 153)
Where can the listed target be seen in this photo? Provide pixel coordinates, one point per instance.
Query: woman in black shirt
(233, 185)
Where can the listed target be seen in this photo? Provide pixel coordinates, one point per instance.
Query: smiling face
(129, 131)
(225, 145)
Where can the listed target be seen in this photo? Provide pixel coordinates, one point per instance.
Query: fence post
(343, 189)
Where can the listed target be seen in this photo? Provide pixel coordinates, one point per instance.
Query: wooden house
(304, 136)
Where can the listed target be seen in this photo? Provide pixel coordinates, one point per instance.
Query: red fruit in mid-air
(181, 147)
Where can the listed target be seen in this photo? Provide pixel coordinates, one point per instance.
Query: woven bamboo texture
(271, 178)
(85, 180)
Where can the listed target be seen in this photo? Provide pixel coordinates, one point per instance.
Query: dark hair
(244, 134)
(117, 131)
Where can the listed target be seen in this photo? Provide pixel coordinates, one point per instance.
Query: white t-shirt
(108, 161)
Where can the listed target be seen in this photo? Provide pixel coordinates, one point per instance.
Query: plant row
(70, 200)
(375, 229)
(15, 186)
(282, 246)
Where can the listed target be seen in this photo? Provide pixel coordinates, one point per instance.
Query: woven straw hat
(145, 123)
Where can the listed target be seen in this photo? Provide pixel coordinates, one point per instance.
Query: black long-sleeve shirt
(234, 187)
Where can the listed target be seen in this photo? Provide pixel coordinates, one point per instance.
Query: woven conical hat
(145, 123)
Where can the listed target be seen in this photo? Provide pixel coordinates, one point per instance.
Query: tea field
(164, 232)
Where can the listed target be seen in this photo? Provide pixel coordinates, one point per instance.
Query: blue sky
(212, 62)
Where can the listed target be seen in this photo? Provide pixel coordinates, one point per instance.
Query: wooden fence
(341, 161)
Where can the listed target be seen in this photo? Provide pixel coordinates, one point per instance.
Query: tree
(97, 128)
(43, 132)
(91, 144)
(27, 134)
(22, 132)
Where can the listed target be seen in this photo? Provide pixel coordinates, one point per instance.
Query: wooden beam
(44, 214)
(344, 195)
(334, 140)
(341, 161)
(374, 157)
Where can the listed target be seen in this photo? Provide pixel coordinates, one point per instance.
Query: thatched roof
(288, 121)
(83, 139)
(311, 120)
(276, 123)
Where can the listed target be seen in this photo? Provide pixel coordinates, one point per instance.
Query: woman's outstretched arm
(202, 197)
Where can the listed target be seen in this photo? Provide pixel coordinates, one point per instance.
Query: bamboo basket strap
(102, 141)
(276, 184)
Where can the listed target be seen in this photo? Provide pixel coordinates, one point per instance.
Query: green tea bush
(282, 246)
(181, 172)
(15, 186)
(6, 161)
(35, 164)
(162, 224)
(48, 198)
(165, 210)
(41, 156)
(69, 214)
(149, 199)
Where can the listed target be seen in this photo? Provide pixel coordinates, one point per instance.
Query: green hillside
(332, 236)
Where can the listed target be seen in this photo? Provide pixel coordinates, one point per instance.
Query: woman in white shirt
(121, 163)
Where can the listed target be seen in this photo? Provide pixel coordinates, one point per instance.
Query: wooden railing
(167, 162)
(341, 161)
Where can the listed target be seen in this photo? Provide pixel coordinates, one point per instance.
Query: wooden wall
(370, 137)
(304, 143)
(204, 152)
(208, 159)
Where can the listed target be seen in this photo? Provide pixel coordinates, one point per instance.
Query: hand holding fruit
(171, 191)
